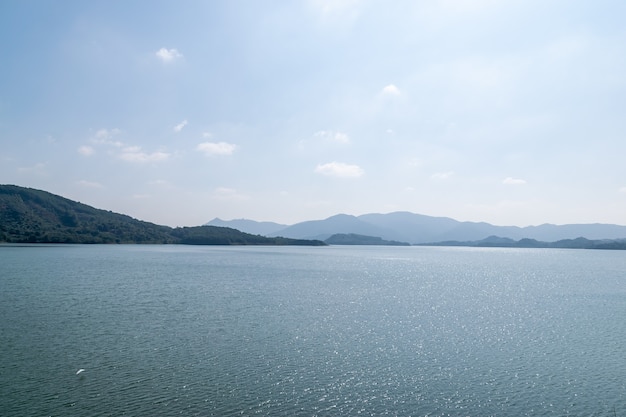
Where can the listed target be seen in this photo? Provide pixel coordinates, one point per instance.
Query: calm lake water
(283, 331)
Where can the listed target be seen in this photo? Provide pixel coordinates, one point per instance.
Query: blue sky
(509, 112)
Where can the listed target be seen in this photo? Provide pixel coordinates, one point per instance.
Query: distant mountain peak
(341, 216)
(248, 226)
(415, 228)
(405, 226)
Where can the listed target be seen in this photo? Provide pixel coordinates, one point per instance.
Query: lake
(311, 331)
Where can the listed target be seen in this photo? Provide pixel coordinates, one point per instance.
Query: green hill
(35, 216)
(503, 242)
(356, 239)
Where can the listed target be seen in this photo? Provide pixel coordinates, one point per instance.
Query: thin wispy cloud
(180, 126)
(86, 150)
(121, 150)
(339, 170)
(513, 181)
(160, 183)
(216, 148)
(442, 175)
(135, 154)
(107, 133)
(390, 90)
(340, 12)
(332, 136)
(105, 137)
(168, 55)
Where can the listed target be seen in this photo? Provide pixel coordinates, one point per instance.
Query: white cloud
(339, 137)
(86, 150)
(390, 90)
(513, 181)
(207, 135)
(339, 169)
(168, 55)
(180, 126)
(134, 154)
(160, 183)
(132, 149)
(229, 194)
(105, 133)
(622, 190)
(89, 184)
(129, 153)
(442, 175)
(216, 148)
(105, 137)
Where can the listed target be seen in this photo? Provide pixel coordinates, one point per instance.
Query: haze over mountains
(35, 216)
(418, 228)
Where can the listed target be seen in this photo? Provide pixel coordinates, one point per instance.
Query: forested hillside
(35, 216)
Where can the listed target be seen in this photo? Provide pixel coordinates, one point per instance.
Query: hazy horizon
(509, 113)
(391, 212)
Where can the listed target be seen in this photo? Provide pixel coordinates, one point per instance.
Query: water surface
(180, 330)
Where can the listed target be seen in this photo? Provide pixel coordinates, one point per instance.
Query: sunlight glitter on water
(338, 331)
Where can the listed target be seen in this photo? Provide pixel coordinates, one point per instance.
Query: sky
(176, 112)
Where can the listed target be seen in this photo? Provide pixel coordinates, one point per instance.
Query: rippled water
(177, 330)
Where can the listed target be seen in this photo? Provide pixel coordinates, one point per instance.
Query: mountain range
(503, 242)
(35, 216)
(419, 229)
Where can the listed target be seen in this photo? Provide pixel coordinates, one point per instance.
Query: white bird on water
(80, 371)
